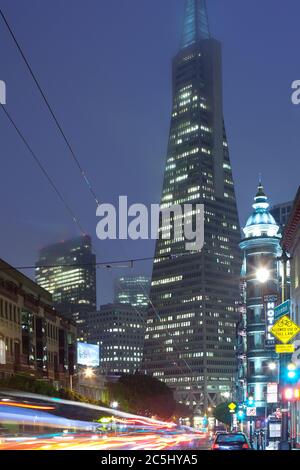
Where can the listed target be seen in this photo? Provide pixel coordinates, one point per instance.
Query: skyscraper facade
(67, 270)
(133, 290)
(281, 213)
(119, 329)
(261, 272)
(191, 327)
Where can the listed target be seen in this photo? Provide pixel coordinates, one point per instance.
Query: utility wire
(76, 160)
(107, 264)
(59, 126)
(44, 171)
(143, 317)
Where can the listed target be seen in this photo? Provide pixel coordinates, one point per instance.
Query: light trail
(29, 406)
(136, 442)
(124, 432)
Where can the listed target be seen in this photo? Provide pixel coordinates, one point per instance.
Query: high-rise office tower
(190, 338)
(119, 329)
(133, 290)
(281, 213)
(68, 271)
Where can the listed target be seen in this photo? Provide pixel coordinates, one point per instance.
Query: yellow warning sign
(284, 348)
(232, 406)
(285, 329)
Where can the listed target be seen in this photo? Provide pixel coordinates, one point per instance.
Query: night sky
(106, 68)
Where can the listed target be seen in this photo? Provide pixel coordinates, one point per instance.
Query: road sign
(285, 329)
(282, 309)
(232, 407)
(251, 411)
(285, 348)
(272, 392)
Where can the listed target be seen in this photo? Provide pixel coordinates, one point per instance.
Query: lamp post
(284, 358)
(263, 276)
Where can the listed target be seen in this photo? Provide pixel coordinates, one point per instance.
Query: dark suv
(231, 441)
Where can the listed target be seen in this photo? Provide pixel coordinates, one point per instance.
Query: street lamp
(114, 404)
(272, 366)
(89, 373)
(262, 275)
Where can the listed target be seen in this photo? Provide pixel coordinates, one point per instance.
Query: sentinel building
(261, 249)
(191, 326)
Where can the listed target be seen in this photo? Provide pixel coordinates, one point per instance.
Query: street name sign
(285, 329)
(285, 348)
(282, 309)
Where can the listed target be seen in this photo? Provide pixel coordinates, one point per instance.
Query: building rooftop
(261, 220)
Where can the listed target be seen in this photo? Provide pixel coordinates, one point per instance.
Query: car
(231, 441)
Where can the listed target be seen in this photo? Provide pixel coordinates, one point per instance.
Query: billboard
(88, 354)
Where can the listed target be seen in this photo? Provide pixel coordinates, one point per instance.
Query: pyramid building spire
(196, 25)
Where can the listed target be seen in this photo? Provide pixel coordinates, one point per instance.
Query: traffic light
(292, 374)
(250, 401)
(291, 393)
(241, 414)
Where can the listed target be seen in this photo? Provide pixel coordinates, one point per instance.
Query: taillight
(215, 446)
(245, 446)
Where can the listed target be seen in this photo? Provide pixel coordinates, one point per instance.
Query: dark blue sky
(106, 69)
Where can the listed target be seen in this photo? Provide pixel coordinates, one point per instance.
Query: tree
(143, 395)
(222, 413)
(182, 411)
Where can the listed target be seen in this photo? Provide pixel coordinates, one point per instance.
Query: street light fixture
(114, 404)
(272, 366)
(262, 275)
(89, 373)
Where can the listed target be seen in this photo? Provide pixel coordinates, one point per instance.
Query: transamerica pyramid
(191, 325)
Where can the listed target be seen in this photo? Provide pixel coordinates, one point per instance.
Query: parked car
(231, 441)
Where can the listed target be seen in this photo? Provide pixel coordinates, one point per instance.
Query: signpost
(282, 309)
(232, 407)
(285, 329)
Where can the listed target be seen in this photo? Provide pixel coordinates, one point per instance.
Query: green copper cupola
(261, 222)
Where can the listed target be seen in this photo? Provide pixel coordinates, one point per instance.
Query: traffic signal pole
(283, 359)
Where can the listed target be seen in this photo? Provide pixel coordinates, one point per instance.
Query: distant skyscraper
(119, 330)
(68, 271)
(281, 213)
(133, 290)
(190, 338)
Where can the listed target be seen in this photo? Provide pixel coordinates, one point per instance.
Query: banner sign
(270, 302)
